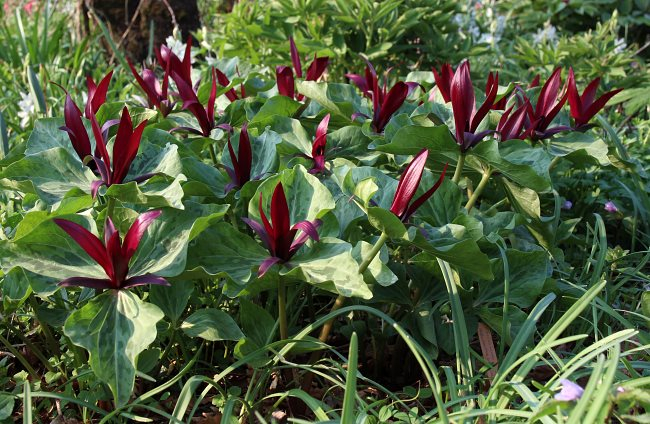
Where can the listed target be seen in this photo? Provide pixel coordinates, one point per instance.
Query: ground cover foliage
(351, 211)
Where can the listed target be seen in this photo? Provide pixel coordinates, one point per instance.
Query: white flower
(620, 45)
(27, 109)
(546, 34)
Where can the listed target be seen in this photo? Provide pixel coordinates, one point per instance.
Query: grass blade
(347, 416)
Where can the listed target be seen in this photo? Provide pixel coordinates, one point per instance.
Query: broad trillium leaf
(377, 271)
(450, 244)
(114, 327)
(528, 272)
(580, 148)
(212, 325)
(307, 197)
(338, 99)
(329, 265)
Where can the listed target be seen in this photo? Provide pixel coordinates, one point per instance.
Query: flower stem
(340, 301)
(110, 207)
(213, 155)
(479, 189)
(459, 168)
(282, 309)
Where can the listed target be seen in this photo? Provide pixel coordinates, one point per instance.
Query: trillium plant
(262, 233)
(113, 254)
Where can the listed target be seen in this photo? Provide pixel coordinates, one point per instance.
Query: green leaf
(377, 272)
(580, 147)
(307, 197)
(15, 289)
(203, 179)
(50, 174)
(445, 204)
(172, 300)
(449, 244)
(47, 135)
(387, 222)
(6, 405)
(338, 99)
(525, 165)
(277, 105)
(329, 265)
(295, 138)
(410, 140)
(528, 272)
(212, 325)
(114, 328)
(224, 251)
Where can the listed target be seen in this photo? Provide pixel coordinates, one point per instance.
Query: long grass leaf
(347, 415)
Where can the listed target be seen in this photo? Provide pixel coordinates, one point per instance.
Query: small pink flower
(29, 6)
(611, 207)
(6, 7)
(570, 391)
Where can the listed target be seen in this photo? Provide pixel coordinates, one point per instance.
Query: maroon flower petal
(420, 200)
(88, 242)
(225, 82)
(317, 68)
(125, 147)
(96, 93)
(266, 264)
(462, 100)
(295, 58)
(93, 283)
(443, 81)
(135, 233)
(142, 280)
(408, 183)
(392, 102)
(260, 230)
(285, 81)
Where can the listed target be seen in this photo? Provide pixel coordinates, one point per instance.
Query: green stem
(52, 343)
(459, 168)
(554, 162)
(213, 155)
(338, 304)
(340, 301)
(479, 189)
(301, 109)
(20, 357)
(110, 207)
(282, 309)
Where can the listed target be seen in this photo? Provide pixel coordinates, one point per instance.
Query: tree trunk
(129, 21)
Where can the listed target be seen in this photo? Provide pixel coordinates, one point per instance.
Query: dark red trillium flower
(96, 94)
(242, 162)
(205, 115)
(278, 236)
(285, 76)
(549, 103)
(113, 255)
(318, 147)
(498, 104)
(157, 95)
(384, 102)
(584, 107)
(74, 126)
(231, 94)
(125, 148)
(511, 125)
(535, 82)
(443, 81)
(408, 186)
(168, 60)
(463, 102)
(73, 117)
